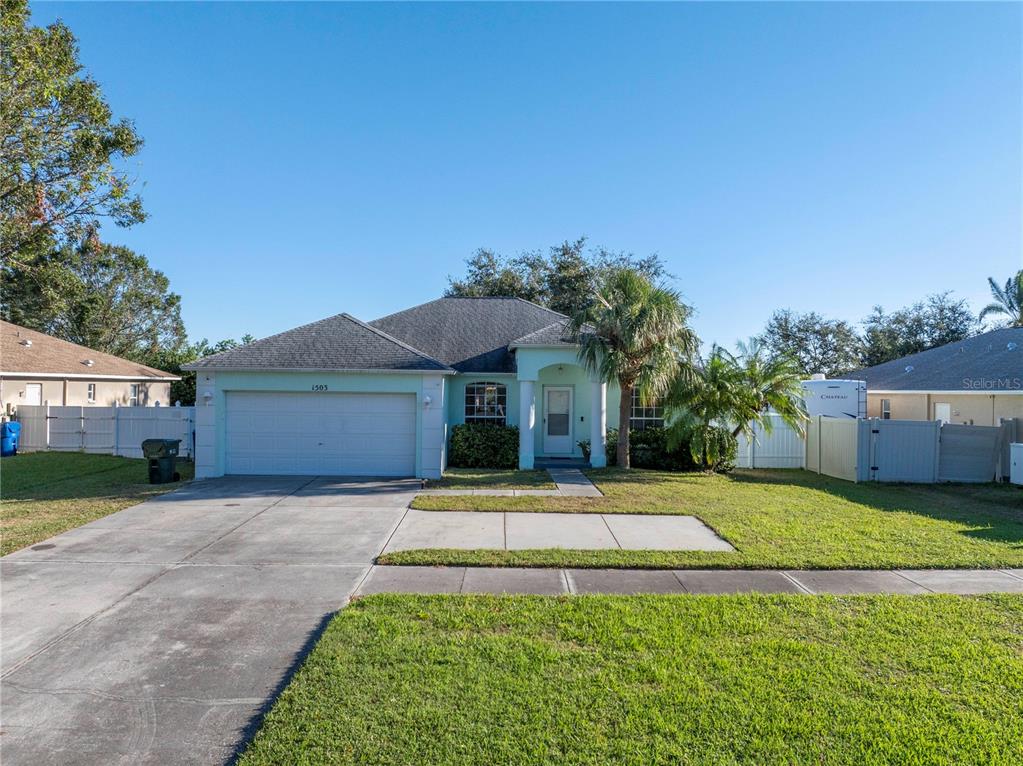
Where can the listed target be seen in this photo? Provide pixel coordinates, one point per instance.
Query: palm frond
(1008, 300)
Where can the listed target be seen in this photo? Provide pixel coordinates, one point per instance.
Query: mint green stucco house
(344, 397)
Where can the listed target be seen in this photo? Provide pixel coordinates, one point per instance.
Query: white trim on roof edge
(81, 376)
(513, 346)
(947, 391)
(361, 371)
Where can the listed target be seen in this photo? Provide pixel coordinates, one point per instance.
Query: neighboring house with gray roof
(345, 397)
(977, 381)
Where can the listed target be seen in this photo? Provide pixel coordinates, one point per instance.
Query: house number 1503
(320, 387)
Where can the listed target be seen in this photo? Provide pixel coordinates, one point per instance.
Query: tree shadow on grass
(122, 481)
(992, 512)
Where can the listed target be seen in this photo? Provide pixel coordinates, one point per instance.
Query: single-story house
(36, 368)
(977, 381)
(345, 397)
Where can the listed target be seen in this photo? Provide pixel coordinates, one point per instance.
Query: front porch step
(560, 462)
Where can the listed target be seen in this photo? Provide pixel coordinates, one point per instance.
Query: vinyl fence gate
(909, 451)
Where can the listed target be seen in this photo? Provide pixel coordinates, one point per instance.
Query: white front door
(557, 420)
(943, 412)
(33, 393)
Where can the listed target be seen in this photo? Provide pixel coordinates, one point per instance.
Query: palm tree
(635, 334)
(774, 382)
(1008, 300)
(697, 409)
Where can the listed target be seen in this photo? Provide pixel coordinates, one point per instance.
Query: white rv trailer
(835, 398)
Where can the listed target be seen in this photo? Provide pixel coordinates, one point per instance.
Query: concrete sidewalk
(554, 582)
(498, 530)
(570, 482)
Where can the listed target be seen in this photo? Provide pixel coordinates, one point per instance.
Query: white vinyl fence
(781, 448)
(106, 430)
(910, 451)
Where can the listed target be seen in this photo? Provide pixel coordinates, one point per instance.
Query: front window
(133, 398)
(90, 392)
(886, 409)
(645, 415)
(486, 403)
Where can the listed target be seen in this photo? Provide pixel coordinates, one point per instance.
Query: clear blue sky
(307, 159)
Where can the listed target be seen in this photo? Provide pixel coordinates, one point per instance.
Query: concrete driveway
(159, 634)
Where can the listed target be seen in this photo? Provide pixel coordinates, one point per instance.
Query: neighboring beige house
(977, 381)
(36, 368)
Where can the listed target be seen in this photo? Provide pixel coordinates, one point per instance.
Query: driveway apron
(160, 634)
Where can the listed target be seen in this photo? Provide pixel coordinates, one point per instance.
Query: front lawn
(45, 493)
(776, 519)
(485, 478)
(657, 680)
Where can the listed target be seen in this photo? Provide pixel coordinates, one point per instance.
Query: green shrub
(650, 448)
(611, 447)
(484, 445)
(647, 449)
(711, 448)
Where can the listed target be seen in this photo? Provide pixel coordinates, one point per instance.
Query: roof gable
(340, 342)
(26, 352)
(992, 356)
(556, 334)
(470, 334)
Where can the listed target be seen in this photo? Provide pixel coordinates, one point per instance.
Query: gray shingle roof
(339, 342)
(470, 334)
(993, 356)
(556, 334)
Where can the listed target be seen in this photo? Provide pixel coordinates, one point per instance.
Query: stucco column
(208, 450)
(527, 424)
(598, 424)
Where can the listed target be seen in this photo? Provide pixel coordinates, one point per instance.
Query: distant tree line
(565, 277)
(835, 346)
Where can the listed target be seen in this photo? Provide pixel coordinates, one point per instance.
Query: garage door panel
(378, 424)
(328, 434)
(381, 445)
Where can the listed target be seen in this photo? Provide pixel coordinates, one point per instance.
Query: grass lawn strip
(46, 493)
(657, 680)
(775, 519)
(482, 478)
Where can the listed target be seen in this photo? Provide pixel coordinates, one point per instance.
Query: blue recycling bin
(9, 433)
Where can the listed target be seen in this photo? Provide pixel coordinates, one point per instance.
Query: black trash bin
(162, 454)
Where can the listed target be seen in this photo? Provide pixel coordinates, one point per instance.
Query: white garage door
(324, 434)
